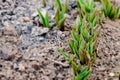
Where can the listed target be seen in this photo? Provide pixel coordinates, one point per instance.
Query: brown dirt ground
(45, 63)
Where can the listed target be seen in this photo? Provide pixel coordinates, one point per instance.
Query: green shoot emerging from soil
(85, 7)
(79, 73)
(84, 36)
(109, 10)
(60, 14)
(63, 8)
(84, 74)
(44, 19)
(86, 27)
(60, 19)
(59, 5)
(83, 41)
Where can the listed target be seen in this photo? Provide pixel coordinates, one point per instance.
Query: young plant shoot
(60, 14)
(109, 10)
(44, 19)
(84, 36)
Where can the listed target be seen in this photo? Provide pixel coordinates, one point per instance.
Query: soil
(28, 51)
(107, 66)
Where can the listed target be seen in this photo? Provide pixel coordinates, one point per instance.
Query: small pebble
(111, 74)
(26, 19)
(21, 67)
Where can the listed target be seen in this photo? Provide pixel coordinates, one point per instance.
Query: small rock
(111, 74)
(39, 31)
(15, 51)
(40, 38)
(23, 47)
(26, 19)
(60, 76)
(21, 67)
(36, 67)
(73, 4)
(15, 66)
(34, 14)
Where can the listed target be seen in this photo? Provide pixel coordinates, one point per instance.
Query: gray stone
(39, 31)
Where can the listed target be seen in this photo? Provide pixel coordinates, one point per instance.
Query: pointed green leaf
(57, 15)
(63, 53)
(59, 5)
(70, 59)
(42, 17)
(87, 75)
(74, 36)
(47, 20)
